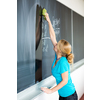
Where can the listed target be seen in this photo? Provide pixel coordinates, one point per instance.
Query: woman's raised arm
(51, 30)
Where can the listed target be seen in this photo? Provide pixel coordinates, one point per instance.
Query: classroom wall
(75, 5)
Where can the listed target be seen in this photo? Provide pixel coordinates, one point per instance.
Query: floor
(82, 98)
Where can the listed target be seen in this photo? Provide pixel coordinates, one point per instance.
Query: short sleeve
(63, 67)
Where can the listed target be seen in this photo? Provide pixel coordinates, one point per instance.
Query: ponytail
(70, 58)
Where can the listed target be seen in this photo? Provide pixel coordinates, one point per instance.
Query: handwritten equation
(55, 24)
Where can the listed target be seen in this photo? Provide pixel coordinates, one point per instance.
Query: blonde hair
(65, 48)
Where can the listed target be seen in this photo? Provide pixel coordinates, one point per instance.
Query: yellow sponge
(44, 13)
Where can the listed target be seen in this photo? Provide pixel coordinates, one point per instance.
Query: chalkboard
(78, 36)
(47, 47)
(34, 59)
(26, 11)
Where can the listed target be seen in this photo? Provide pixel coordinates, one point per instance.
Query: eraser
(44, 12)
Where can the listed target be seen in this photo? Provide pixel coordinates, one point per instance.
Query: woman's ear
(59, 51)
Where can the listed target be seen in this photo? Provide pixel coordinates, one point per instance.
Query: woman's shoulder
(63, 60)
(63, 64)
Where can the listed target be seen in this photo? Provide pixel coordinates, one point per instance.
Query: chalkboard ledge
(35, 90)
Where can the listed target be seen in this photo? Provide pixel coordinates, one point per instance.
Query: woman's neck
(58, 56)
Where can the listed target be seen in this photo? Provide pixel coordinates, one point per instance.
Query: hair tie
(68, 54)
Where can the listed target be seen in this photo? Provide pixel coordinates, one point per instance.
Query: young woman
(61, 67)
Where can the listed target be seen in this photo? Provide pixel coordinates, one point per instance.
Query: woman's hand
(46, 90)
(47, 17)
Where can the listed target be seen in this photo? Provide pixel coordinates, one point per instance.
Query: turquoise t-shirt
(61, 67)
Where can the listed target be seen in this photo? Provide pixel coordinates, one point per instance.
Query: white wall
(75, 5)
(78, 80)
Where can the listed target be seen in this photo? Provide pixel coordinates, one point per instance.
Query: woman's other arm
(59, 86)
(62, 83)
